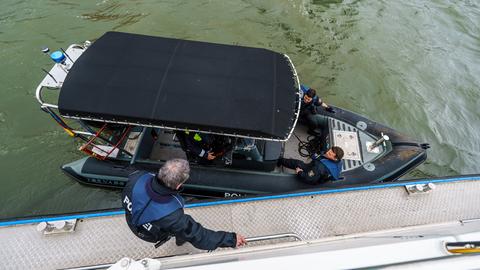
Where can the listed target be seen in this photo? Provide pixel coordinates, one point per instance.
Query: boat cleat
(58, 226)
(419, 188)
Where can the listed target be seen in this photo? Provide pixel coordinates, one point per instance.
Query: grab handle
(471, 247)
(273, 236)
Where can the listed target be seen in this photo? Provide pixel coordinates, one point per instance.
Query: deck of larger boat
(310, 217)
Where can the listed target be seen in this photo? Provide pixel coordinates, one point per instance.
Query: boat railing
(249, 239)
(38, 94)
(274, 237)
(53, 80)
(57, 74)
(299, 92)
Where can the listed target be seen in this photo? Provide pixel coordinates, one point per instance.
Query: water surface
(413, 65)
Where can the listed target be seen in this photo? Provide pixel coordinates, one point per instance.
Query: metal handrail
(38, 92)
(470, 247)
(249, 239)
(273, 236)
(297, 114)
(38, 95)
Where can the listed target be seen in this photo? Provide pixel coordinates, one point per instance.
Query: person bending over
(322, 169)
(207, 148)
(154, 210)
(199, 146)
(308, 110)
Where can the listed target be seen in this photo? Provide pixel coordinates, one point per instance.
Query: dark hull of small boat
(208, 182)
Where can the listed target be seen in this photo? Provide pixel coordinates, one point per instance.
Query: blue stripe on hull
(242, 200)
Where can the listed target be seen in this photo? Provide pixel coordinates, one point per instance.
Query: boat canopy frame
(179, 84)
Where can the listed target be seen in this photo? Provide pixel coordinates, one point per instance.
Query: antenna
(46, 51)
(68, 56)
(51, 76)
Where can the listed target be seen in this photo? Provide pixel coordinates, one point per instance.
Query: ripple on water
(3, 150)
(395, 61)
(114, 12)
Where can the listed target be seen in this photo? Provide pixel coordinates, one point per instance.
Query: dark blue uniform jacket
(320, 171)
(309, 107)
(155, 213)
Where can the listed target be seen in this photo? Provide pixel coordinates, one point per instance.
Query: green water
(413, 65)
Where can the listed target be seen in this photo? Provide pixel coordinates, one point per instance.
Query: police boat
(130, 98)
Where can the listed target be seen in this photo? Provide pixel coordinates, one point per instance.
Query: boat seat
(272, 150)
(181, 140)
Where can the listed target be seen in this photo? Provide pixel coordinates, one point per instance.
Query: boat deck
(104, 238)
(166, 146)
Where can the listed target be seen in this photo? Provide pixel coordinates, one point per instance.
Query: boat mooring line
(240, 200)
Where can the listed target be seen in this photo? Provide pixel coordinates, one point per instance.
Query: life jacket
(305, 89)
(148, 206)
(335, 168)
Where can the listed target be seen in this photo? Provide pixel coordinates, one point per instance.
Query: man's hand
(241, 240)
(298, 170)
(329, 109)
(211, 156)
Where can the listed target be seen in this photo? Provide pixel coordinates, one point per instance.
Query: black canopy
(181, 84)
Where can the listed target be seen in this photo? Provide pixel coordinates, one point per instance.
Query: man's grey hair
(174, 172)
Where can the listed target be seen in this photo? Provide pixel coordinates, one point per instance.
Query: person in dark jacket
(308, 110)
(206, 148)
(199, 145)
(154, 210)
(320, 170)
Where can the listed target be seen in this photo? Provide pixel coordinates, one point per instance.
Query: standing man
(308, 109)
(320, 170)
(154, 210)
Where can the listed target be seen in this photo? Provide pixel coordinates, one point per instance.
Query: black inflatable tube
(217, 182)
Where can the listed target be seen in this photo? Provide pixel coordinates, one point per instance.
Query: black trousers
(293, 164)
(314, 120)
